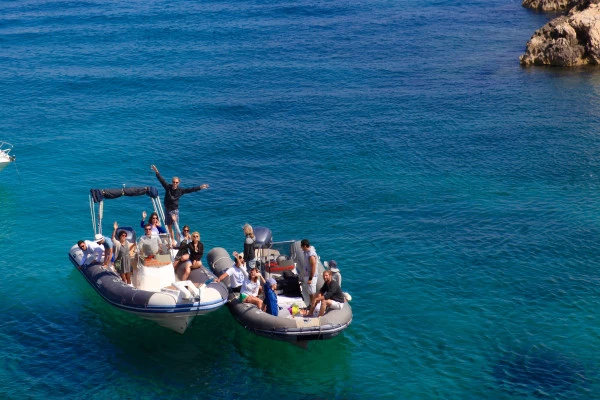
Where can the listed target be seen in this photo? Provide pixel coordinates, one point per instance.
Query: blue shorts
(169, 216)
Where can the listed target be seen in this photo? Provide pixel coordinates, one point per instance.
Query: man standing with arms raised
(172, 194)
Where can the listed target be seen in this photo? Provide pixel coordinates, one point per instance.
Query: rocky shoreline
(569, 40)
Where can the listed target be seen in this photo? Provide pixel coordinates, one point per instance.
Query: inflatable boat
(282, 261)
(156, 292)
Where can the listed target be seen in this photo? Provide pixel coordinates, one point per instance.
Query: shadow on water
(215, 349)
(540, 372)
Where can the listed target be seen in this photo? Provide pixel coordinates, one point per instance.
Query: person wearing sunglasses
(154, 222)
(150, 244)
(123, 252)
(172, 194)
(190, 257)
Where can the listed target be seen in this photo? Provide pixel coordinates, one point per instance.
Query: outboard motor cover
(262, 237)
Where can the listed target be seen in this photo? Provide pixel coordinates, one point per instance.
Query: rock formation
(568, 40)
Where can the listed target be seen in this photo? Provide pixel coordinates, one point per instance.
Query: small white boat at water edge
(5, 157)
(157, 293)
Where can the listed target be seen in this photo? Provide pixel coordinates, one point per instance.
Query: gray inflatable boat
(282, 261)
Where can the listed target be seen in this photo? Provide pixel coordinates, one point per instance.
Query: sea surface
(458, 192)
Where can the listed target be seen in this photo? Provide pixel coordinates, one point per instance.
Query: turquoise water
(457, 191)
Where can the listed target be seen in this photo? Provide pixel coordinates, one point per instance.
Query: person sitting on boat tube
(90, 249)
(335, 272)
(154, 222)
(236, 273)
(251, 289)
(172, 194)
(310, 268)
(108, 248)
(330, 296)
(190, 257)
(269, 289)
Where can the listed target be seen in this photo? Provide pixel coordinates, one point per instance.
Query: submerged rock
(568, 40)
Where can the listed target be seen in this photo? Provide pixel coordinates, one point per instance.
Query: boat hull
(285, 327)
(162, 308)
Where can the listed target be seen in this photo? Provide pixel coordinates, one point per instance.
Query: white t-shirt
(236, 276)
(93, 249)
(250, 288)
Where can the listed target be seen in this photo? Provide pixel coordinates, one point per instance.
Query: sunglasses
(186, 230)
(147, 229)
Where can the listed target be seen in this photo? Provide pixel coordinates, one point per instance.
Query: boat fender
(347, 296)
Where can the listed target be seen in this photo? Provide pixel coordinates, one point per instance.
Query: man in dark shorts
(172, 194)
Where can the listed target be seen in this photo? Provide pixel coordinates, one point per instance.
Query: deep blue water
(458, 192)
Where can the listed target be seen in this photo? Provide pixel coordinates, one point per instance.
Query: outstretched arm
(162, 181)
(116, 226)
(195, 188)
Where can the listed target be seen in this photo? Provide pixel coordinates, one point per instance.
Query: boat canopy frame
(97, 196)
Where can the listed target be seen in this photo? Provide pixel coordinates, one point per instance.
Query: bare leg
(188, 269)
(323, 307)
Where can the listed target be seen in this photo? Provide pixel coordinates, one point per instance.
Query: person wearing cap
(270, 302)
(310, 268)
(236, 273)
(330, 295)
(108, 246)
(90, 249)
(172, 194)
(335, 272)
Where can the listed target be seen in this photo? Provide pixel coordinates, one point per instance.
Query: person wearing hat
(236, 273)
(108, 246)
(270, 301)
(336, 275)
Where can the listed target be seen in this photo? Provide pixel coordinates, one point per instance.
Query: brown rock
(567, 40)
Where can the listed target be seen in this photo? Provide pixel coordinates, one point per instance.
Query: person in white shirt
(236, 273)
(251, 288)
(90, 249)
